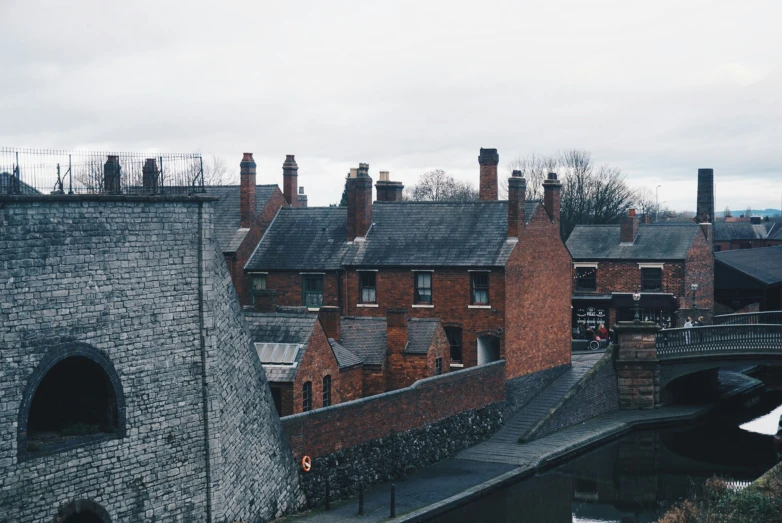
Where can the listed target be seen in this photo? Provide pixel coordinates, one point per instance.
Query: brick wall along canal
(638, 477)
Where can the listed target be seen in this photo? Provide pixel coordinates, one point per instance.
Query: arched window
(73, 397)
(306, 397)
(326, 391)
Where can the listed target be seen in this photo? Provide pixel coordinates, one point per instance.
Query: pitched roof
(6, 181)
(345, 358)
(420, 332)
(312, 238)
(402, 234)
(226, 212)
(665, 241)
(727, 231)
(763, 264)
(283, 330)
(366, 337)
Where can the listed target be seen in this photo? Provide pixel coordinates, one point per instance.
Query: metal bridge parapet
(725, 339)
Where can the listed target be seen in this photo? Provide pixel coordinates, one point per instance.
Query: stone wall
(137, 280)
(520, 391)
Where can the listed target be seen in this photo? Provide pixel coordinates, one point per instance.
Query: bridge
(648, 359)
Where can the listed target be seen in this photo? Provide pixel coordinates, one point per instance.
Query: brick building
(747, 277)
(243, 213)
(495, 273)
(660, 261)
(749, 233)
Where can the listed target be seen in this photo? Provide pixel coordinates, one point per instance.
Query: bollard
(328, 505)
(361, 499)
(393, 500)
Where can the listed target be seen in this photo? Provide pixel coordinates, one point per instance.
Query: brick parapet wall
(324, 431)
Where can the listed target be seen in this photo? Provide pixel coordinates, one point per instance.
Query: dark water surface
(638, 477)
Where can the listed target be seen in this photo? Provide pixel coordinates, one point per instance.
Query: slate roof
(5, 185)
(281, 328)
(654, 242)
(763, 264)
(462, 234)
(727, 231)
(226, 213)
(366, 337)
(420, 333)
(345, 358)
(775, 233)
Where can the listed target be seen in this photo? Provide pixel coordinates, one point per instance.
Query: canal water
(638, 477)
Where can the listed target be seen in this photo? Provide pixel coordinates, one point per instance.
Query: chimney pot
(301, 190)
(516, 174)
(353, 172)
(384, 176)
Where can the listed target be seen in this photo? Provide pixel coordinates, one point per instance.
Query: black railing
(718, 339)
(39, 171)
(750, 318)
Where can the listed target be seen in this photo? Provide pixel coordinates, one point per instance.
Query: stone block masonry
(381, 437)
(139, 281)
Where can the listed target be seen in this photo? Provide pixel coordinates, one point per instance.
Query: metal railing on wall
(718, 339)
(45, 171)
(749, 318)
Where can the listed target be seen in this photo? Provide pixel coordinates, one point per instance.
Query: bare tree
(534, 168)
(215, 170)
(439, 186)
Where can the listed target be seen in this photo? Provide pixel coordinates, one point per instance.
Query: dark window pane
(480, 288)
(368, 292)
(454, 335)
(651, 280)
(586, 278)
(326, 391)
(312, 290)
(438, 366)
(307, 397)
(423, 288)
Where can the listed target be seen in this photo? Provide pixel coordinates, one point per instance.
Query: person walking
(687, 333)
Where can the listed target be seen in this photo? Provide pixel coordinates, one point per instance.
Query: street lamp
(694, 287)
(636, 299)
(657, 204)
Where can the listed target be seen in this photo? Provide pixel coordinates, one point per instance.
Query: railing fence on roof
(44, 171)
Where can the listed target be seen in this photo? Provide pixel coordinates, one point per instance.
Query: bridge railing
(748, 318)
(718, 339)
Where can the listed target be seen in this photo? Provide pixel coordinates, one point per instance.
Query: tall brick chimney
(517, 195)
(488, 159)
(396, 342)
(247, 206)
(149, 176)
(705, 207)
(329, 320)
(629, 228)
(290, 180)
(551, 196)
(302, 198)
(111, 175)
(359, 202)
(388, 191)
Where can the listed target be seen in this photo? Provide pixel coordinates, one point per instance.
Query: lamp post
(657, 204)
(636, 299)
(694, 287)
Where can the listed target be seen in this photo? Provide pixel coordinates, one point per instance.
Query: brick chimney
(551, 196)
(396, 342)
(265, 300)
(359, 202)
(290, 179)
(111, 175)
(629, 228)
(302, 198)
(488, 159)
(149, 178)
(517, 195)
(705, 207)
(329, 320)
(388, 191)
(247, 205)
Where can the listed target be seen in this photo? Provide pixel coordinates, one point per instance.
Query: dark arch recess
(53, 357)
(83, 510)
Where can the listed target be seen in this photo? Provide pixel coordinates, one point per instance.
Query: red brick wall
(413, 367)
(440, 348)
(699, 268)
(538, 287)
(625, 276)
(450, 297)
(374, 381)
(319, 433)
(288, 287)
(351, 383)
(286, 396)
(318, 361)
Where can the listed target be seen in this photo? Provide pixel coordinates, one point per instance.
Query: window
(454, 335)
(438, 366)
(312, 290)
(326, 391)
(651, 279)
(367, 281)
(306, 397)
(586, 278)
(423, 288)
(480, 288)
(258, 284)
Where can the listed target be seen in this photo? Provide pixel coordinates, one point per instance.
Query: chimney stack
(149, 178)
(247, 205)
(302, 198)
(705, 207)
(290, 179)
(388, 191)
(111, 175)
(488, 160)
(629, 228)
(551, 196)
(359, 202)
(330, 321)
(517, 195)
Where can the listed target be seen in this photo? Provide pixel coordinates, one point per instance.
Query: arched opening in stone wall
(84, 517)
(74, 397)
(488, 349)
(695, 388)
(82, 511)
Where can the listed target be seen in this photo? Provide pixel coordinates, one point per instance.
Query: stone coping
(153, 198)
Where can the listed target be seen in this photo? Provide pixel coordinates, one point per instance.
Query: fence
(719, 339)
(39, 171)
(750, 318)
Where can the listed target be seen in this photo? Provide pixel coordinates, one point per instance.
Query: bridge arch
(82, 511)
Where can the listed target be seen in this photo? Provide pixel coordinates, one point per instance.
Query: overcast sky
(658, 89)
